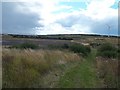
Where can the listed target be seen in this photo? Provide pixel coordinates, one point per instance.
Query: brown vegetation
(25, 68)
(108, 71)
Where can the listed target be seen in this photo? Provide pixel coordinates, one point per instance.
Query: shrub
(78, 48)
(54, 46)
(107, 50)
(109, 54)
(94, 44)
(60, 47)
(26, 45)
(65, 46)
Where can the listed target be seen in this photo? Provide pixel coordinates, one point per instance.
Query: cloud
(56, 28)
(102, 27)
(55, 17)
(14, 21)
(94, 17)
(100, 9)
(75, 19)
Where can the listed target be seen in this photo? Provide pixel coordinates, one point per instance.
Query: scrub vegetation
(66, 65)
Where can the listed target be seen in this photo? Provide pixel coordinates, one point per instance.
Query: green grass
(83, 75)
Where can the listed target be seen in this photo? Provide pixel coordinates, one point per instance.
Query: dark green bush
(51, 46)
(25, 46)
(65, 46)
(78, 48)
(109, 54)
(107, 50)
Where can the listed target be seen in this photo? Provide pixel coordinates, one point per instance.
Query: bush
(60, 47)
(51, 46)
(25, 46)
(65, 46)
(109, 54)
(78, 48)
(107, 50)
(95, 44)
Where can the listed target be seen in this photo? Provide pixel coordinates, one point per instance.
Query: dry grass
(108, 72)
(24, 68)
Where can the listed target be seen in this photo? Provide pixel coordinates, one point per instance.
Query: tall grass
(25, 68)
(108, 72)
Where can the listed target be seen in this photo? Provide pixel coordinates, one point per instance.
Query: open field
(79, 62)
(57, 39)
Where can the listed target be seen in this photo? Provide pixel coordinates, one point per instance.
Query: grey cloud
(102, 26)
(73, 19)
(99, 27)
(17, 22)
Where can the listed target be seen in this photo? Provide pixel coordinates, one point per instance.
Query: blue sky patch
(115, 6)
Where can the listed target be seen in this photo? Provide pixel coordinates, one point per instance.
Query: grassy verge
(83, 75)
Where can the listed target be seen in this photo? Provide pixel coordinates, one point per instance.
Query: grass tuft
(25, 68)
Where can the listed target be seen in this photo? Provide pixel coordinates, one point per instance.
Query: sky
(42, 17)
